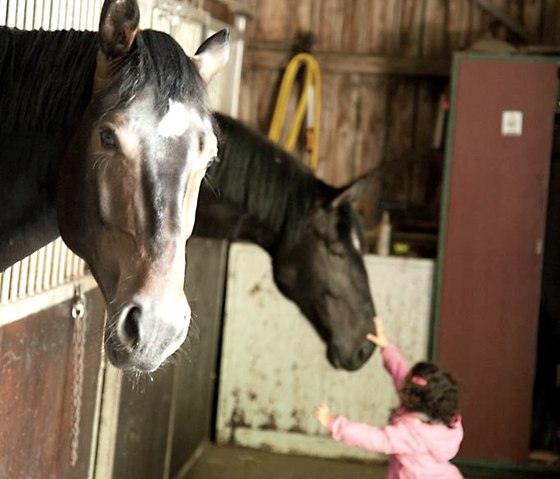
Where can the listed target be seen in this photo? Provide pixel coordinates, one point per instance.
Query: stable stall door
(488, 292)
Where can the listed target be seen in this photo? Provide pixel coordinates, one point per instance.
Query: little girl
(424, 433)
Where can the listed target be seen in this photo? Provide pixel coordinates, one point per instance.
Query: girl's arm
(395, 364)
(393, 361)
(393, 439)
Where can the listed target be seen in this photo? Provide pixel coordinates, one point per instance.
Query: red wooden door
(36, 380)
(490, 263)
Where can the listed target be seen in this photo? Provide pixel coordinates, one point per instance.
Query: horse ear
(353, 191)
(118, 27)
(117, 30)
(212, 55)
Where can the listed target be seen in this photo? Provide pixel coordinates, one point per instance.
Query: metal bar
(97, 14)
(23, 278)
(27, 15)
(69, 262)
(45, 14)
(62, 263)
(4, 5)
(36, 8)
(14, 281)
(90, 16)
(48, 266)
(68, 14)
(53, 22)
(32, 275)
(75, 266)
(51, 14)
(81, 16)
(5, 288)
(11, 14)
(40, 270)
(57, 266)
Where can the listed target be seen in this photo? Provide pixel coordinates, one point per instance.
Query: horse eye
(108, 139)
(212, 160)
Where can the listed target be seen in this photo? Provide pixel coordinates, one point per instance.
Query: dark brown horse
(258, 192)
(104, 139)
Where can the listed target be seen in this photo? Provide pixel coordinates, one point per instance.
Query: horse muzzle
(141, 335)
(349, 359)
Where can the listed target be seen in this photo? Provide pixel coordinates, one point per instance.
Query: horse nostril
(363, 353)
(131, 326)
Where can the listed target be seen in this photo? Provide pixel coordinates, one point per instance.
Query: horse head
(323, 273)
(130, 177)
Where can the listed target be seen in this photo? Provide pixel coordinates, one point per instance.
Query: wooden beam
(270, 58)
(506, 19)
(236, 6)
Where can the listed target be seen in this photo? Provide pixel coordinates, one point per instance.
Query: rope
(309, 101)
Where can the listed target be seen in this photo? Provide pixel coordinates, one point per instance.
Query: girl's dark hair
(430, 391)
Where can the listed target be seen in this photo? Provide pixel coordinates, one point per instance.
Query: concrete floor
(230, 462)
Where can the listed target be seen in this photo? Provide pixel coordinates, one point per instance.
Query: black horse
(258, 192)
(105, 138)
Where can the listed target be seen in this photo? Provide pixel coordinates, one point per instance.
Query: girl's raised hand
(322, 413)
(380, 339)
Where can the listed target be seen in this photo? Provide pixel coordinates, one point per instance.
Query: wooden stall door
(492, 240)
(36, 386)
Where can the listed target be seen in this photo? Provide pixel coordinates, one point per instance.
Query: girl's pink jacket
(416, 449)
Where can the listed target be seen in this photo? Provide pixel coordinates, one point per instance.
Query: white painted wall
(274, 368)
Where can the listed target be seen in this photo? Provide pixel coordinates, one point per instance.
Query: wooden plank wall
(384, 65)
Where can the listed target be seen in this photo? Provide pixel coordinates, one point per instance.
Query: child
(424, 433)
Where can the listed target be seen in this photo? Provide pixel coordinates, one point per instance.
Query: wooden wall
(384, 65)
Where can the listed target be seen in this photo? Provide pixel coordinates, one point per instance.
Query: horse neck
(44, 82)
(256, 192)
(225, 219)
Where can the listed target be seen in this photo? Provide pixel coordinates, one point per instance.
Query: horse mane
(46, 78)
(270, 184)
(34, 96)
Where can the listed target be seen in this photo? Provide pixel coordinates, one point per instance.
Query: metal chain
(78, 313)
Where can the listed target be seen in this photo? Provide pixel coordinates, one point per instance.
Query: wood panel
(36, 380)
(409, 28)
(380, 21)
(144, 425)
(330, 28)
(197, 371)
(550, 25)
(357, 40)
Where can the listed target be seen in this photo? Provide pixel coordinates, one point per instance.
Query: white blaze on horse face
(181, 120)
(175, 122)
